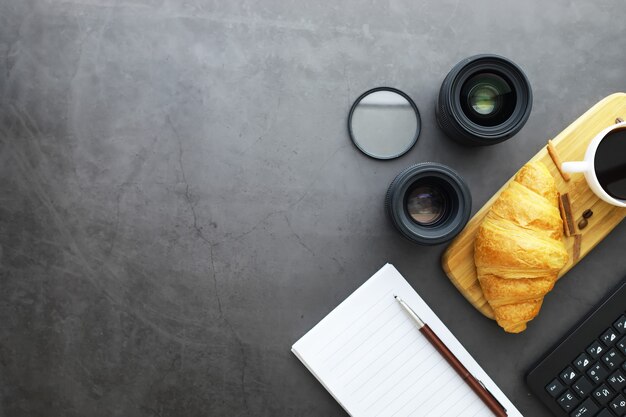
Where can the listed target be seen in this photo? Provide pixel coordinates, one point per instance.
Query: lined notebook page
(375, 362)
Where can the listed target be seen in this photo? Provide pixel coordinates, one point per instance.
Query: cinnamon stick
(557, 160)
(566, 214)
(577, 241)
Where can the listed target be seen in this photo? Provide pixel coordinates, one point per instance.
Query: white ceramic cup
(587, 166)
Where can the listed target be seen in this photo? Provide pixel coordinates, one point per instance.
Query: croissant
(519, 247)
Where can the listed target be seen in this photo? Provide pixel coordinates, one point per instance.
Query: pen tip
(395, 296)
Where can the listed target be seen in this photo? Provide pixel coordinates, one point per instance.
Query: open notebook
(374, 361)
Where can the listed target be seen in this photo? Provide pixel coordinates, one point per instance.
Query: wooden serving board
(571, 145)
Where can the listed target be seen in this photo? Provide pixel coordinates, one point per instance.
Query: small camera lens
(428, 203)
(484, 100)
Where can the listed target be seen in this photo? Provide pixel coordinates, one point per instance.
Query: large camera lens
(484, 100)
(428, 203)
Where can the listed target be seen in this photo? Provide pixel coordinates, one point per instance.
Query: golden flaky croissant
(519, 248)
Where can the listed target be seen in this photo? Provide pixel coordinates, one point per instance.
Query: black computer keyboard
(585, 374)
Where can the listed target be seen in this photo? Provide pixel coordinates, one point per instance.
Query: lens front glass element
(487, 99)
(426, 204)
(484, 99)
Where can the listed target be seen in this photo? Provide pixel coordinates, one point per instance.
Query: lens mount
(451, 215)
(453, 109)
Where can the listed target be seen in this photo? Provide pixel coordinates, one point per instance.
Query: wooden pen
(477, 386)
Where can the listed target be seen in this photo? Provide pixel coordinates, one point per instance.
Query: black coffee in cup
(610, 163)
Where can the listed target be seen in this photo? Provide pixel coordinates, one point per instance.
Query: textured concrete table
(179, 200)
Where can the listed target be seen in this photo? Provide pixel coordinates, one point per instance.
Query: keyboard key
(569, 375)
(582, 362)
(609, 336)
(555, 387)
(597, 373)
(605, 413)
(603, 394)
(567, 401)
(582, 387)
(618, 405)
(587, 409)
(595, 349)
(620, 324)
(617, 380)
(612, 359)
(621, 345)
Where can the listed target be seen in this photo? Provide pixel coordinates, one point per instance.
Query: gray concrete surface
(179, 200)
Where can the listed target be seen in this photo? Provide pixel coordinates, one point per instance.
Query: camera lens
(428, 203)
(484, 100)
